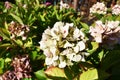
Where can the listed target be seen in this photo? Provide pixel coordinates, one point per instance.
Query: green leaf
(33, 55)
(93, 47)
(4, 33)
(91, 74)
(111, 58)
(8, 60)
(27, 79)
(28, 43)
(1, 63)
(118, 18)
(1, 70)
(42, 18)
(40, 75)
(17, 18)
(101, 55)
(69, 73)
(103, 75)
(84, 25)
(5, 45)
(56, 73)
(18, 42)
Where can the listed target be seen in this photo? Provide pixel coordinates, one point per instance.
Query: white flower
(77, 58)
(63, 5)
(106, 33)
(116, 9)
(76, 49)
(67, 44)
(49, 61)
(24, 37)
(47, 52)
(97, 31)
(70, 56)
(64, 30)
(67, 51)
(113, 24)
(81, 45)
(21, 33)
(99, 8)
(62, 64)
(54, 50)
(58, 25)
(77, 33)
(48, 31)
(62, 44)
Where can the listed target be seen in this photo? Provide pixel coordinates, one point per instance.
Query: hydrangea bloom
(116, 9)
(99, 8)
(63, 44)
(108, 33)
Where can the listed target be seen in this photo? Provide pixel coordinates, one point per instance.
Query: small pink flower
(7, 5)
(47, 3)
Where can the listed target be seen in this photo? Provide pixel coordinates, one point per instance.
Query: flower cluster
(18, 30)
(116, 9)
(98, 8)
(22, 69)
(108, 33)
(64, 5)
(63, 45)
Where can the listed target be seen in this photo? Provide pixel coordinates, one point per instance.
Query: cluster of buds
(98, 8)
(22, 69)
(108, 33)
(64, 5)
(63, 45)
(18, 30)
(116, 9)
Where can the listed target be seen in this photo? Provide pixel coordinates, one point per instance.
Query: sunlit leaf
(1, 63)
(93, 47)
(56, 73)
(91, 74)
(40, 75)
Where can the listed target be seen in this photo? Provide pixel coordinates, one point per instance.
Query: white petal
(62, 64)
(53, 50)
(76, 58)
(82, 46)
(55, 57)
(76, 49)
(65, 31)
(48, 61)
(67, 44)
(47, 52)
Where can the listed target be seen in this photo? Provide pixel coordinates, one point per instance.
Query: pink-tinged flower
(1, 38)
(107, 34)
(47, 3)
(116, 9)
(21, 69)
(18, 30)
(7, 5)
(97, 31)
